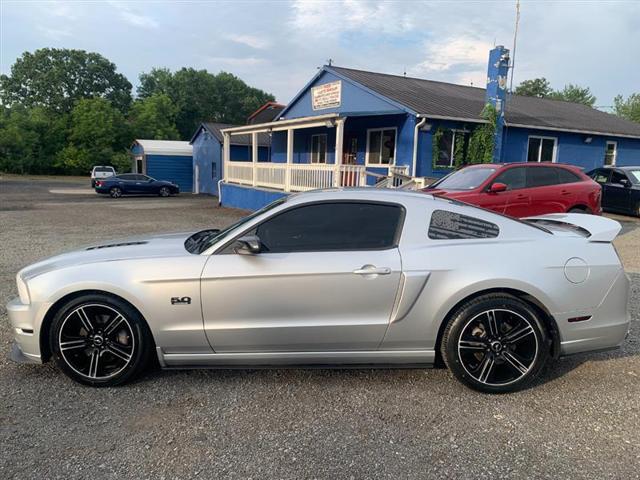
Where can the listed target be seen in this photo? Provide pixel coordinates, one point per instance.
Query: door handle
(372, 270)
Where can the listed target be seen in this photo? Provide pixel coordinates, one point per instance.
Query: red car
(522, 189)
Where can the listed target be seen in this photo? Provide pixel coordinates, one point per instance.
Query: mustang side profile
(344, 277)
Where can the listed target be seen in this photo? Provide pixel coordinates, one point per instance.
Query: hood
(170, 245)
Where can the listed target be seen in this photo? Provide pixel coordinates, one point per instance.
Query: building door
(140, 164)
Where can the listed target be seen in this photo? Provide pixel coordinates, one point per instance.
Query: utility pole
(513, 50)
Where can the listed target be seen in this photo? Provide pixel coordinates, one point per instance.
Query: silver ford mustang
(357, 277)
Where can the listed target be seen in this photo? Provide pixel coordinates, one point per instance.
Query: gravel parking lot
(581, 420)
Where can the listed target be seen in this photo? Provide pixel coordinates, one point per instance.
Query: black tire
(124, 348)
(93, 184)
(164, 192)
(497, 352)
(115, 192)
(577, 210)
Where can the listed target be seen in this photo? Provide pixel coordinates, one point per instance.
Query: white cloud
(237, 61)
(134, 18)
(54, 33)
(320, 18)
(252, 41)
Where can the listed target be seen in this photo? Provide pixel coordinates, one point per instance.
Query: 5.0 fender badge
(180, 300)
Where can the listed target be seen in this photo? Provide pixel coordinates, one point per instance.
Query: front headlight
(23, 290)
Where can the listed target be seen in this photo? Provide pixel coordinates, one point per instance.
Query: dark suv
(620, 188)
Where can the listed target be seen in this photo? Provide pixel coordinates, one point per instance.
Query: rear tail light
(98, 184)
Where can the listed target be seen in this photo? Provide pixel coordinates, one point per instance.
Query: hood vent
(123, 244)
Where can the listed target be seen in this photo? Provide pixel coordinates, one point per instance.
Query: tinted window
(567, 176)
(542, 176)
(332, 226)
(451, 226)
(127, 176)
(142, 178)
(465, 179)
(601, 176)
(634, 175)
(617, 177)
(513, 178)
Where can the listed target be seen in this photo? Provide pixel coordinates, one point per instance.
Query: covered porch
(324, 151)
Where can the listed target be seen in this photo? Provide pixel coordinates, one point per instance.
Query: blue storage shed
(207, 154)
(164, 160)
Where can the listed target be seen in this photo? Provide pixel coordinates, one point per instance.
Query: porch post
(226, 153)
(338, 150)
(254, 156)
(287, 172)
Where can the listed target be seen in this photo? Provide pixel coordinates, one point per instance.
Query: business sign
(326, 96)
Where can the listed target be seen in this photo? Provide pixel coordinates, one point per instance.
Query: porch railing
(311, 176)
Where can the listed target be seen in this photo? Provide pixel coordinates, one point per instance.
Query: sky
(278, 45)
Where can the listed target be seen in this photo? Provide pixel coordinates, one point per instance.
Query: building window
(319, 148)
(452, 147)
(381, 146)
(610, 153)
(542, 149)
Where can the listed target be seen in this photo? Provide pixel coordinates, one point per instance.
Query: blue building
(354, 128)
(207, 154)
(164, 160)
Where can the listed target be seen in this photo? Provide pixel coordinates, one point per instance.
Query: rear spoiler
(600, 229)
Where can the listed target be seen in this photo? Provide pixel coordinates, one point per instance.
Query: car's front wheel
(495, 343)
(115, 192)
(99, 340)
(164, 191)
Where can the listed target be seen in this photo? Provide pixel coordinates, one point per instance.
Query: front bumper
(25, 322)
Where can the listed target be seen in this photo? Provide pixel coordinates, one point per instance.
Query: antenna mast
(515, 39)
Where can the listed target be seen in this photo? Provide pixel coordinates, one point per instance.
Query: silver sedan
(353, 277)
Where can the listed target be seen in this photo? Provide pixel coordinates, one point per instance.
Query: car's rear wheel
(495, 343)
(115, 192)
(164, 191)
(100, 340)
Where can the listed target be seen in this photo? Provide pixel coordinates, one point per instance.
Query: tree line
(64, 111)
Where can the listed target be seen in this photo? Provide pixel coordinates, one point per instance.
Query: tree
(30, 139)
(482, 140)
(199, 96)
(541, 88)
(575, 94)
(154, 118)
(538, 87)
(57, 78)
(629, 108)
(97, 134)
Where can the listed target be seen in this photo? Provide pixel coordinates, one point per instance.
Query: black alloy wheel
(99, 340)
(164, 191)
(115, 192)
(495, 343)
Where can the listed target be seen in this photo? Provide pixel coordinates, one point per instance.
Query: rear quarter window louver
(446, 225)
(124, 244)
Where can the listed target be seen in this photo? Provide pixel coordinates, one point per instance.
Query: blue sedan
(136, 184)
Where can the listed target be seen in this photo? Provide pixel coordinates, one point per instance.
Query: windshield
(104, 169)
(465, 179)
(634, 175)
(200, 241)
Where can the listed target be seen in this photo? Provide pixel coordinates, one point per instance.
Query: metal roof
(215, 129)
(165, 147)
(433, 99)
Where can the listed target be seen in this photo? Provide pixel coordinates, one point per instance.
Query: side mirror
(625, 183)
(497, 187)
(248, 245)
